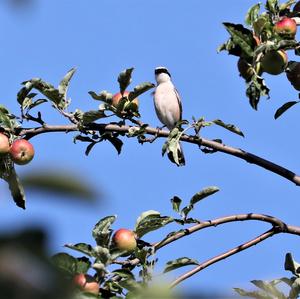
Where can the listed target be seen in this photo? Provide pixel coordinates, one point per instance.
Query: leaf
(37, 103)
(81, 247)
(203, 194)
(150, 221)
(117, 143)
(130, 285)
(176, 201)
(252, 14)
(91, 116)
(268, 288)
(196, 198)
(254, 294)
(24, 91)
(83, 264)
(284, 108)
(286, 5)
(16, 189)
(242, 37)
(256, 88)
(228, 127)
(295, 289)
(178, 263)
(64, 83)
(59, 181)
(7, 120)
(124, 273)
(140, 89)
(102, 232)
(66, 263)
(124, 79)
(102, 96)
(272, 6)
(291, 265)
(89, 148)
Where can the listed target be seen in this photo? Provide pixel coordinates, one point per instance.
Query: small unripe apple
(4, 144)
(293, 74)
(274, 62)
(124, 240)
(21, 151)
(286, 27)
(118, 96)
(86, 283)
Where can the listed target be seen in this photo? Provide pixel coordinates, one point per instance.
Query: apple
(21, 151)
(118, 96)
(274, 62)
(286, 27)
(293, 74)
(86, 283)
(4, 144)
(124, 240)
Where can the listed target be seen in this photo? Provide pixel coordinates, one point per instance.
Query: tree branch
(216, 146)
(224, 255)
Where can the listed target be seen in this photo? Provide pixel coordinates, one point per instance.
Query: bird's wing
(179, 102)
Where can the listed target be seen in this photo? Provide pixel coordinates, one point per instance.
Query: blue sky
(101, 38)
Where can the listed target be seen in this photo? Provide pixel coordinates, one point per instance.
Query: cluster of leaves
(252, 41)
(119, 282)
(270, 289)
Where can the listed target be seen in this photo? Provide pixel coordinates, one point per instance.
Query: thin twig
(220, 147)
(224, 255)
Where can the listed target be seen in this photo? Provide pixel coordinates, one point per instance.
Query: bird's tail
(178, 156)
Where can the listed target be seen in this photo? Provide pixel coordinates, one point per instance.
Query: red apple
(86, 283)
(118, 96)
(274, 62)
(21, 151)
(4, 144)
(124, 240)
(293, 74)
(286, 27)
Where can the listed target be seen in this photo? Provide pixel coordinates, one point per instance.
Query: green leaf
(124, 273)
(24, 91)
(104, 96)
(176, 201)
(61, 182)
(254, 294)
(66, 263)
(228, 127)
(37, 103)
(241, 37)
(83, 264)
(291, 265)
(64, 83)
(117, 143)
(268, 288)
(256, 88)
(286, 5)
(252, 14)
(81, 247)
(124, 79)
(203, 194)
(16, 188)
(284, 108)
(140, 89)
(196, 198)
(7, 120)
(272, 6)
(150, 221)
(91, 116)
(102, 231)
(130, 285)
(102, 254)
(178, 263)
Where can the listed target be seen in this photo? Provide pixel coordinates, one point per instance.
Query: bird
(168, 106)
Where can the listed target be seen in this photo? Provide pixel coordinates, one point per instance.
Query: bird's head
(162, 74)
